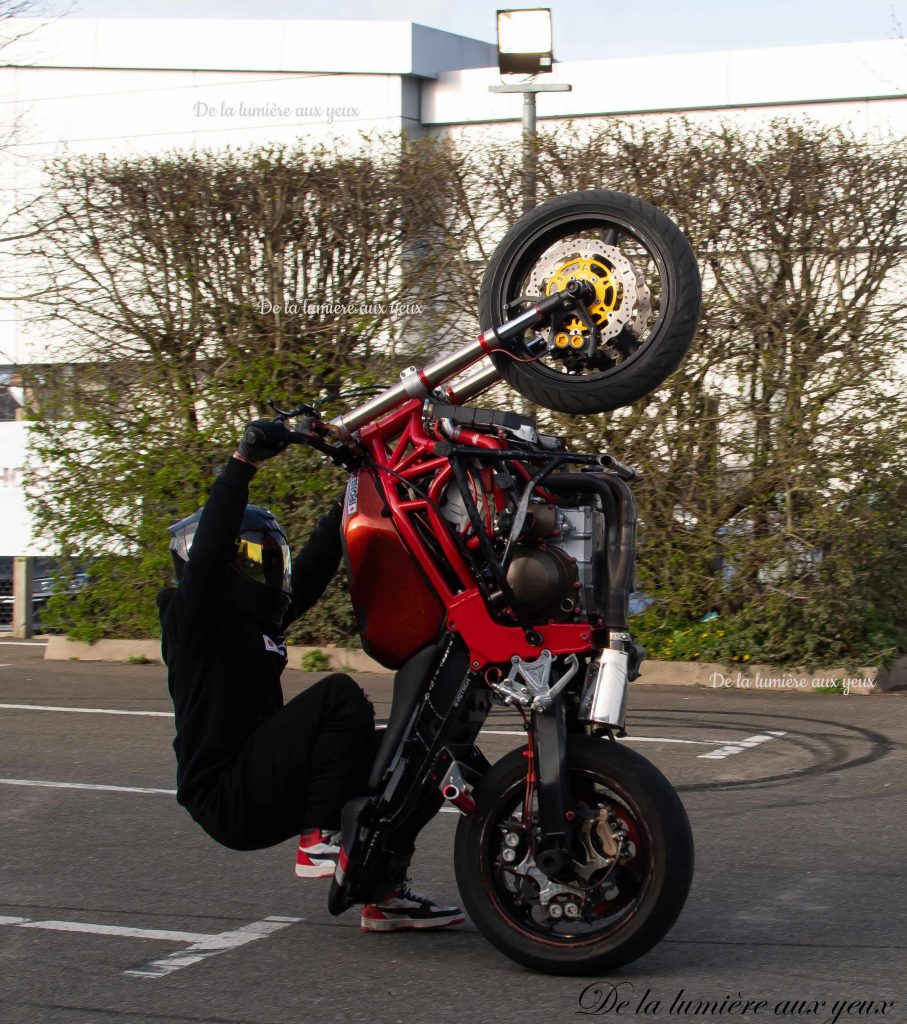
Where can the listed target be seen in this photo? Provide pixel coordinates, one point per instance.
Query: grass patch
(832, 686)
(315, 661)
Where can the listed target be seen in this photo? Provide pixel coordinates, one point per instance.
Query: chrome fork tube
(420, 383)
(478, 381)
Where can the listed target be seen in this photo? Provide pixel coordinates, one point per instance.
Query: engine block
(582, 538)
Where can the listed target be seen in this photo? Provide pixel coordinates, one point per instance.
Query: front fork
(602, 706)
(548, 763)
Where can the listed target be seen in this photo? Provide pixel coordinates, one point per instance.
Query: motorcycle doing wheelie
(490, 566)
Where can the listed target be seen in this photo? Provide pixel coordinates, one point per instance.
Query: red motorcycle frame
(400, 448)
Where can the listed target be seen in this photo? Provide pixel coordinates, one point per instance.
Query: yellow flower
(746, 657)
(721, 632)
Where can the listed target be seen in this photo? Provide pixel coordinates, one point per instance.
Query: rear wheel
(641, 322)
(633, 862)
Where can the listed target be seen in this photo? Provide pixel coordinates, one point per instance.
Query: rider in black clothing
(251, 770)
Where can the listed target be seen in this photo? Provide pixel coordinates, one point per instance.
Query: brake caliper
(622, 301)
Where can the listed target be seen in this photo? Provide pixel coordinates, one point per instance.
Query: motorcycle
(491, 567)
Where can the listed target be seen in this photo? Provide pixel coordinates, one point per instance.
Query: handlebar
(422, 383)
(628, 473)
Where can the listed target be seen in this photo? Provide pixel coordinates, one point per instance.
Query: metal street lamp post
(525, 47)
(529, 91)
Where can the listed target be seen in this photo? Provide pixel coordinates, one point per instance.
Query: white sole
(315, 871)
(370, 925)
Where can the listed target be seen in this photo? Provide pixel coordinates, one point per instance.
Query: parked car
(44, 583)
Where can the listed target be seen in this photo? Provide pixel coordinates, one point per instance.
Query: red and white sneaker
(403, 909)
(317, 854)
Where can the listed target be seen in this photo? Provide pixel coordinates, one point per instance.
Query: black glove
(263, 439)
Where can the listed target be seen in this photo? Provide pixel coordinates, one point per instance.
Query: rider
(251, 770)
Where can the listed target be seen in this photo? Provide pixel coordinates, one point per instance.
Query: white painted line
(86, 711)
(200, 945)
(211, 945)
(738, 746)
(485, 732)
(726, 749)
(104, 788)
(86, 785)
(628, 739)
(111, 929)
(23, 643)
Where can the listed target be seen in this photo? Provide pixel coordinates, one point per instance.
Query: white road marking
(725, 749)
(485, 732)
(738, 746)
(627, 739)
(86, 711)
(86, 785)
(211, 945)
(200, 946)
(169, 714)
(112, 929)
(23, 643)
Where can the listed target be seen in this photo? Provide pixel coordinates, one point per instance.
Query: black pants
(296, 770)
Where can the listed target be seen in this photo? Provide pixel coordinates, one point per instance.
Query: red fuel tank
(397, 611)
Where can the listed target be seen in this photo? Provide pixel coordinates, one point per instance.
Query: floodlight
(524, 41)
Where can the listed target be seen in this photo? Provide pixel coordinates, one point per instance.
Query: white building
(133, 86)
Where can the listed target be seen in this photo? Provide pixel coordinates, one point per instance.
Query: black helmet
(259, 566)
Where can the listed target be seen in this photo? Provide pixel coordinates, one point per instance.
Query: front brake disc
(622, 298)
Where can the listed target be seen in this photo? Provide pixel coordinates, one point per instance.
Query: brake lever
(287, 414)
(310, 418)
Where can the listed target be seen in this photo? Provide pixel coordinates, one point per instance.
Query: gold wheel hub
(608, 295)
(621, 296)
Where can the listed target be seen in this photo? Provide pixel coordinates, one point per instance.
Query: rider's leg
(295, 770)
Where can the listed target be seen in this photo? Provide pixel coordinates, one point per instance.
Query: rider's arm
(211, 551)
(316, 563)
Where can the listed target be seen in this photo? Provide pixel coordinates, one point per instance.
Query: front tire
(650, 887)
(648, 299)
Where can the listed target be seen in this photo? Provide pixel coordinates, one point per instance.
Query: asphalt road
(114, 907)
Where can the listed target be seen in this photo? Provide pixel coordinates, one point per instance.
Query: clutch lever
(303, 409)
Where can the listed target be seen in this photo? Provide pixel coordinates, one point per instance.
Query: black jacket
(223, 667)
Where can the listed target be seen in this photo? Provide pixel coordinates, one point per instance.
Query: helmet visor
(265, 558)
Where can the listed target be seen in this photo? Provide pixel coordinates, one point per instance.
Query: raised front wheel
(639, 326)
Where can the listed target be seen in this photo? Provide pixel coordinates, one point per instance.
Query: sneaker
(403, 909)
(318, 853)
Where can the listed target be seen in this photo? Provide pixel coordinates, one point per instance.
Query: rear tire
(664, 833)
(645, 361)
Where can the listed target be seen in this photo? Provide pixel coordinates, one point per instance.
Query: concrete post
(23, 587)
